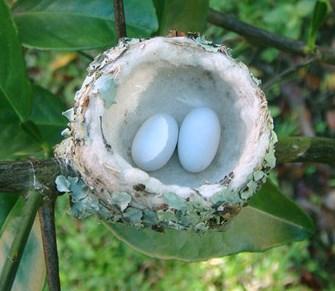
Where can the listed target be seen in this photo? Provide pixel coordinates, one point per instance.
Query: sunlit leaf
(14, 84)
(77, 25)
(270, 220)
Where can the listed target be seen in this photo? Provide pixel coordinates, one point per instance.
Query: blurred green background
(302, 103)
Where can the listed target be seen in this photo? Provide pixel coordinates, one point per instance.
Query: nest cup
(137, 79)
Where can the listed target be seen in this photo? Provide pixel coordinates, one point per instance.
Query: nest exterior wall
(106, 184)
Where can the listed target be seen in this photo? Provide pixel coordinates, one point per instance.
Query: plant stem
(48, 229)
(11, 265)
(306, 149)
(120, 20)
(266, 38)
(20, 176)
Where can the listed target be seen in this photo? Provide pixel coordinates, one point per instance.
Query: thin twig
(254, 34)
(120, 20)
(48, 229)
(287, 72)
(11, 265)
(266, 38)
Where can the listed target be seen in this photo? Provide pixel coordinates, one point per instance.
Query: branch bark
(48, 229)
(306, 149)
(120, 20)
(18, 176)
(266, 38)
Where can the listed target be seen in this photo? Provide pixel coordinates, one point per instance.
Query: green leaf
(31, 129)
(270, 220)
(272, 202)
(319, 15)
(159, 5)
(15, 142)
(183, 16)
(39, 133)
(47, 115)
(7, 201)
(47, 108)
(31, 272)
(78, 25)
(14, 84)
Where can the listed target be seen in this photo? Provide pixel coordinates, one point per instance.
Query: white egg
(155, 142)
(199, 139)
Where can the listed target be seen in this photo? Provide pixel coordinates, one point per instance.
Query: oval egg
(155, 142)
(199, 139)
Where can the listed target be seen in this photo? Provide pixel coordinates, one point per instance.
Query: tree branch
(48, 229)
(306, 149)
(18, 176)
(266, 38)
(13, 259)
(120, 20)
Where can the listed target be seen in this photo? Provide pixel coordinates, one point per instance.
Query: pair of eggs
(198, 140)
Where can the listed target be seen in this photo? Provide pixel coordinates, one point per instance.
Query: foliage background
(302, 104)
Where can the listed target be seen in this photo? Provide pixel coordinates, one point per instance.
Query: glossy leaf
(183, 16)
(78, 25)
(31, 272)
(319, 15)
(14, 84)
(270, 220)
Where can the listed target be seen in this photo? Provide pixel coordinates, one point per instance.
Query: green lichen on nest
(192, 213)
